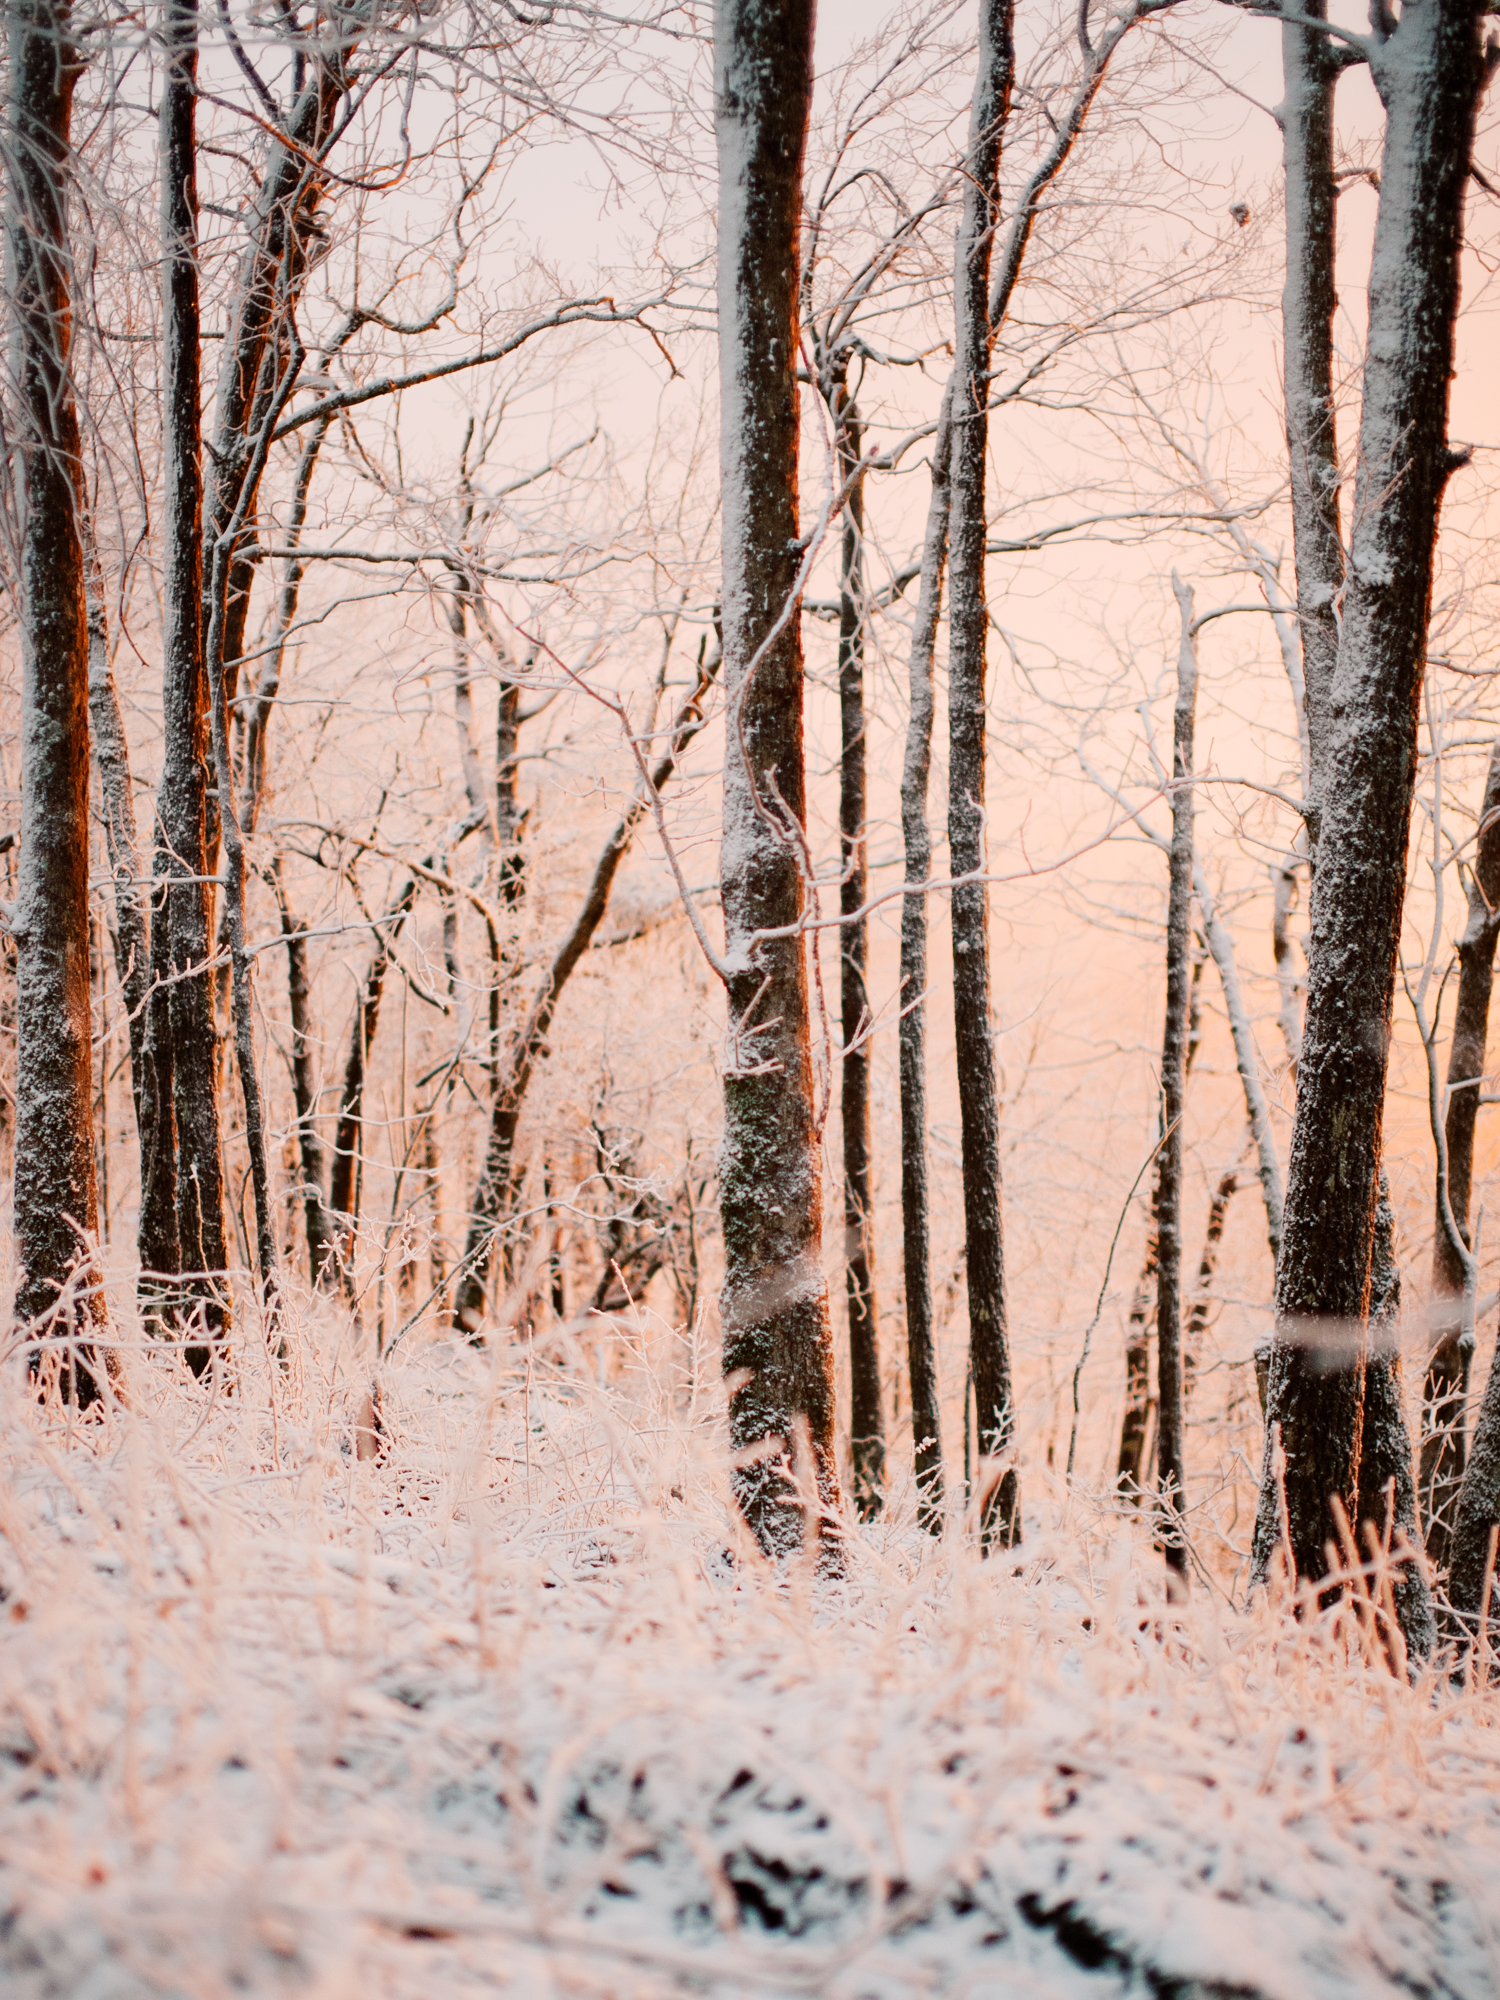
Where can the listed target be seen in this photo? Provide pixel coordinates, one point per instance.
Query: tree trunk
(182, 923)
(304, 1084)
(132, 916)
(488, 1207)
(926, 1430)
(56, 1213)
(1429, 69)
(344, 1182)
(778, 1346)
(968, 621)
(866, 1419)
(1196, 1326)
(1310, 70)
(1171, 1459)
(1445, 1392)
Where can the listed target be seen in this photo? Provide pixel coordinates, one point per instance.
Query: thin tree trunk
(968, 623)
(1310, 70)
(1445, 1392)
(56, 1211)
(343, 1199)
(1385, 1513)
(132, 916)
(916, 1239)
(1429, 66)
(1221, 949)
(866, 1418)
(304, 1083)
(262, 705)
(181, 922)
(488, 1206)
(778, 1347)
(1171, 1456)
(1195, 1328)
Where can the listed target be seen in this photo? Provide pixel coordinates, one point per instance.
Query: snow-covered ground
(499, 1713)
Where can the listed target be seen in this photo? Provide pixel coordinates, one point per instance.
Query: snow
(503, 1713)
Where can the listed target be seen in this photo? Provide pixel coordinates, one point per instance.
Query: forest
(750, 828)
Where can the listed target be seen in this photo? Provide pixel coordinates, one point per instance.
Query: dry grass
(496, 1712)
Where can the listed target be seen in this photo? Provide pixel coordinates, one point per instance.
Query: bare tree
(777, 1340)
(1171, 1447)
(1429, 68)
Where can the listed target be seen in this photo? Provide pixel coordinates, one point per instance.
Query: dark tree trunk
(488, 1208)
(778, 1346)
(916, 1241)
(968, 623)
(1428, 68)
(1445, 1392)
(508, 815)
(1310, 70)
(304, 1085)
(866, 1419)
(1171, 1457)
(56, 1211)
(182, 921)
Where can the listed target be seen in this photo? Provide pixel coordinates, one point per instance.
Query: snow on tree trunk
(778, 1345)
(968, 628)
(132, 913)
(1171, 1455)
(1310, 70)
(926, 1429)
(1428, 69)
(56, 1213)
(1445, 1392)
(866, 1419)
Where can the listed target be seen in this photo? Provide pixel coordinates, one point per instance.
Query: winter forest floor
(497, 1713)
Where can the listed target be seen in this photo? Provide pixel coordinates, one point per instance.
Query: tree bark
(866, 1419)
(968, 621)
(926, 1428)
(1445, 1392)
(56, 1211)
(1196, 1326)
(132, 911)
(1310, 71)
(778, 1348)
(1171, 1456)
(304, 1083)
(181, 921)
(1428, 68)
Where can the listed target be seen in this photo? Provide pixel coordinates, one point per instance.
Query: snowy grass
(496, 1713)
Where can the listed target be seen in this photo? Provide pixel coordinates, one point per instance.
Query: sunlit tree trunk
(778, 1349)
(56, 1213)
